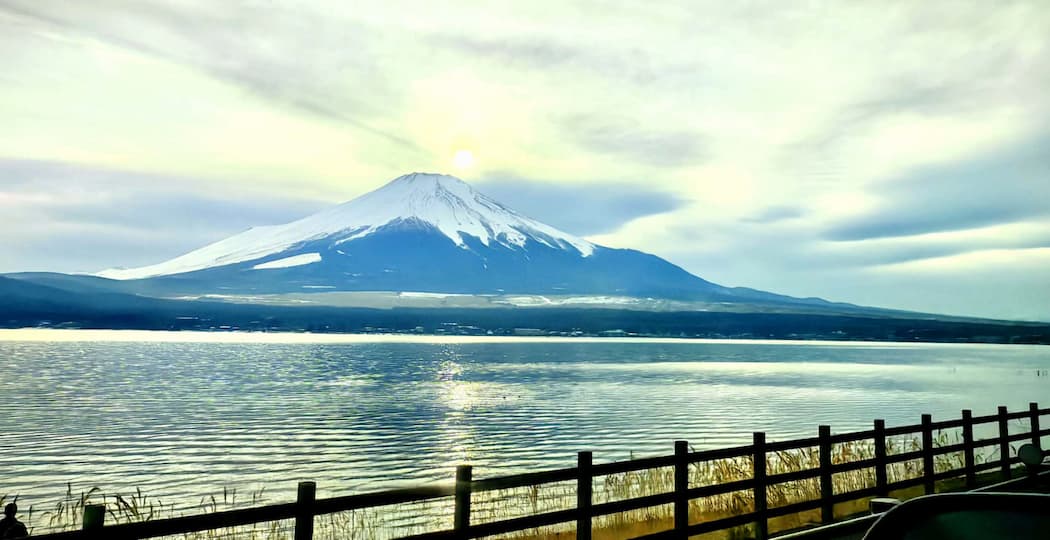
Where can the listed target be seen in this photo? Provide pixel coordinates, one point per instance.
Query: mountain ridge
(425, 232)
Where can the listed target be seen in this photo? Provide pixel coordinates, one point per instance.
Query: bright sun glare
(463, 159)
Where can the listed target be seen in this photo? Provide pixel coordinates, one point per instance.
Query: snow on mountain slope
(289, 262)
(443, 202)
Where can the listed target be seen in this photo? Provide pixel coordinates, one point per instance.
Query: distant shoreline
(72, 335)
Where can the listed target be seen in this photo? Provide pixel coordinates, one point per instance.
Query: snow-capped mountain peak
(441, 202)
(450, 205)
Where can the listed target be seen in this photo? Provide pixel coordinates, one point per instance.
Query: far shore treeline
(175, 315)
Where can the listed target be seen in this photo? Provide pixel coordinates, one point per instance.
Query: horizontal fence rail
(582, 515)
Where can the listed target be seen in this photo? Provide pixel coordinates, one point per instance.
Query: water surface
(182, 418)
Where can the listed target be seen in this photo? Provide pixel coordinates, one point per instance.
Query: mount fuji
(427, 233)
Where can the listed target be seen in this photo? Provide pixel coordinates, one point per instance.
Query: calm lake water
(182, 419)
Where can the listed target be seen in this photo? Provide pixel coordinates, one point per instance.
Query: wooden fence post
(1033, 415)
(681, 489)
(94, 517)
(1033, 425)
(761, 505)
(306, 494)
(880, 459)
(827, 510)
(927, 454)
(584, 487)
(1004, 444)
(968, 453)
(461, 521)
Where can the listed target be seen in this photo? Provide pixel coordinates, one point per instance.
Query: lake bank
(62, 335)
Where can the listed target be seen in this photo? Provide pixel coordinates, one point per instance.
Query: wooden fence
(307, 507)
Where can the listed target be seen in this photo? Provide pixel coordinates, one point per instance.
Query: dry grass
(399, 520)
(67, 512)
(661, 480)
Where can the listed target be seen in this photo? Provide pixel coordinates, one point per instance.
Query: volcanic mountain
(427, 233)
(427, 253)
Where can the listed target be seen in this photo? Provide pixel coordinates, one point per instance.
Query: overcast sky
(884, 153)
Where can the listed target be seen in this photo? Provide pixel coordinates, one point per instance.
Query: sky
(884, 153)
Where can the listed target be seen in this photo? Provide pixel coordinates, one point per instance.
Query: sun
(464, 159)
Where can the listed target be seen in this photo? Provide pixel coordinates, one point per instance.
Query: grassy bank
(399, 520)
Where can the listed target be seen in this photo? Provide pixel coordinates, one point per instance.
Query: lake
(185, 415)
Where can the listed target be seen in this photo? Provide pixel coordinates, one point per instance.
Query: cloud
(235, 44)
(531, 53)
(553, 52)
(69, 217)
(941, 88)
(961, 274)
(905, 96)
(629, 139)
(891, 251)
(774, 214)
(1007, 186)
(583, 210)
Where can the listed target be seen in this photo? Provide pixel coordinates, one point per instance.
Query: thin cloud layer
(633, 141)
(582, 210)
(60, 216)
(1005, 187)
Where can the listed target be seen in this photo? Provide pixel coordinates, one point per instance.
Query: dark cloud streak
(774, 214)
(629, 139)
(1006, 187)
(84, 215)
(581, 209)
(631, 65)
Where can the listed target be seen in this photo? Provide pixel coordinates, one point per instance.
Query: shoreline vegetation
(26, 304)
(66, 335)
(405, 519)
